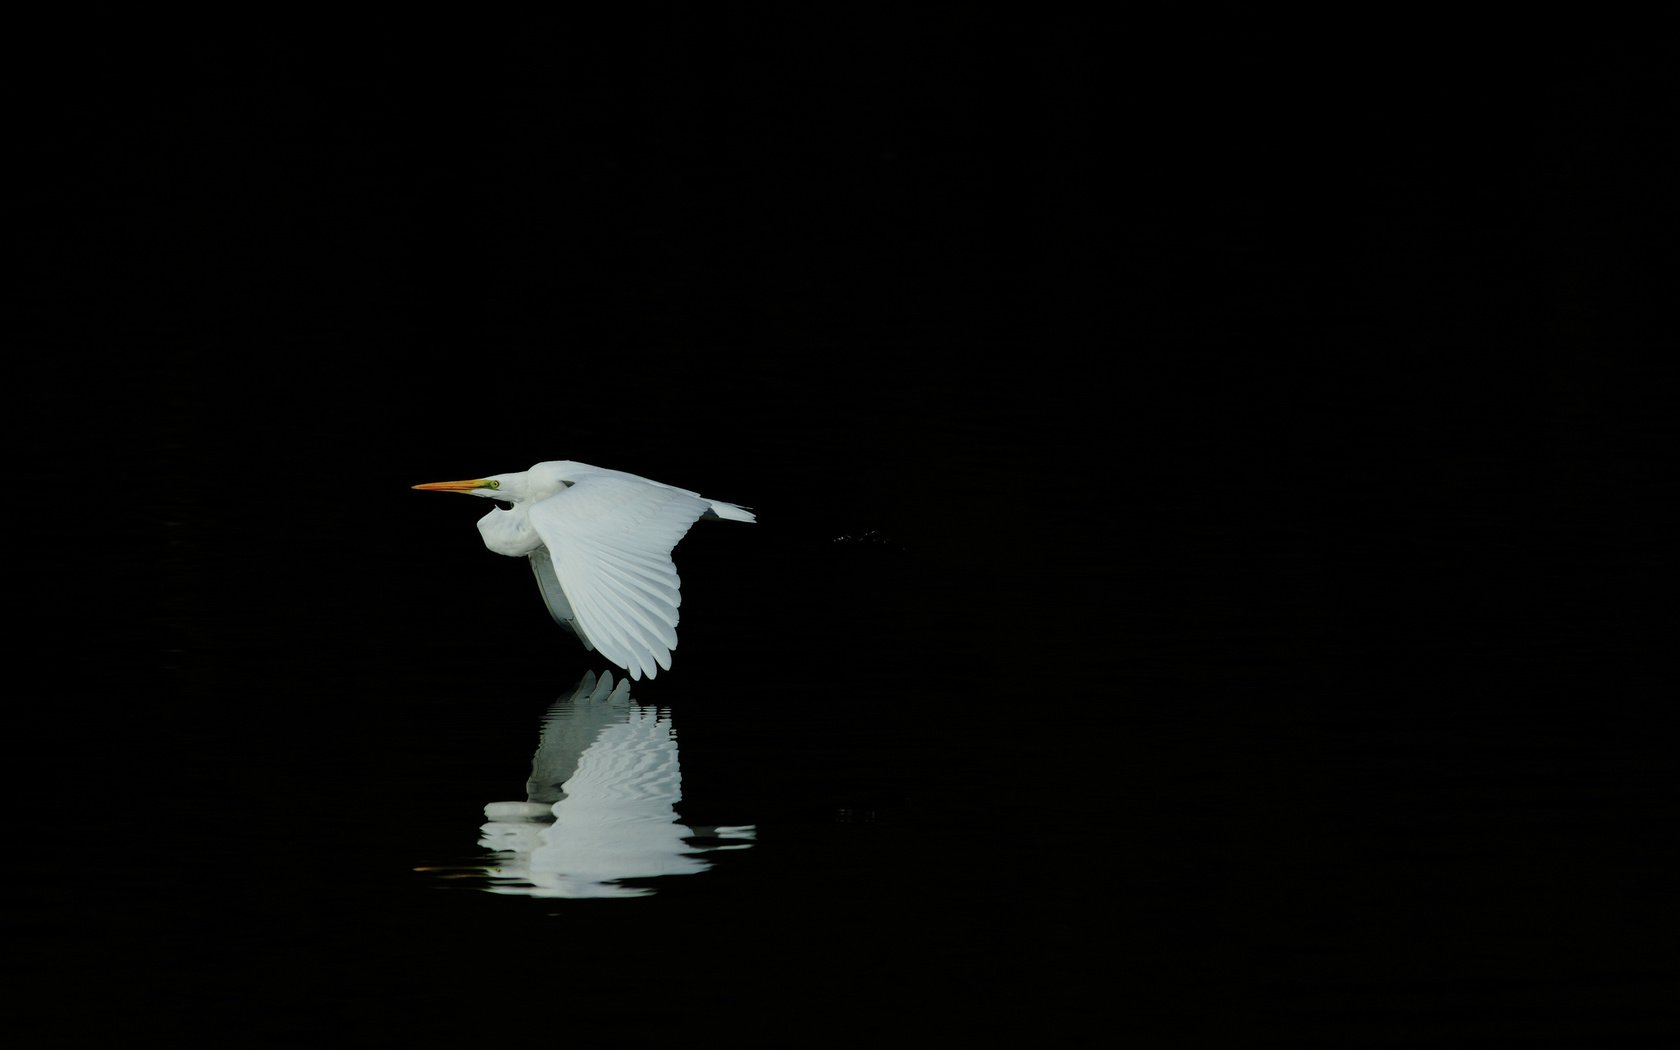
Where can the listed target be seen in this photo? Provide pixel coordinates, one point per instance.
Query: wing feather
(620, 643)
(655, 618)
(609, 539)
(665, 592)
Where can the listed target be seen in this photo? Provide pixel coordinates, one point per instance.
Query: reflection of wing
(603, 795)
(631, 770)
(619, 818)
(610, 540)
(570, 726)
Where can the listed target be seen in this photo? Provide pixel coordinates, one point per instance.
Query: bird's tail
(730, 511)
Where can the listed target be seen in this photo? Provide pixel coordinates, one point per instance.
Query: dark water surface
(1256, 818)
(1212, 512)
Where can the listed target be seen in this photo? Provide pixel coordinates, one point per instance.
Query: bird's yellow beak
(459, 486)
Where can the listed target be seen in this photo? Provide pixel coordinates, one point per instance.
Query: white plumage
(600, 545)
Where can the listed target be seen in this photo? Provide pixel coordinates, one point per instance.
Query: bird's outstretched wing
(610, 540)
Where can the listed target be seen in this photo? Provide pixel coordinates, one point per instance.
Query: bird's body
(600, 545)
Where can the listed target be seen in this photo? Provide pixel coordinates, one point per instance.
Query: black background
(1212, 499)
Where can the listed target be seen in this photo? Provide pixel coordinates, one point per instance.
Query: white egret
(600, 545)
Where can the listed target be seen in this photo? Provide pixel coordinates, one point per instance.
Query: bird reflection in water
(600, 805)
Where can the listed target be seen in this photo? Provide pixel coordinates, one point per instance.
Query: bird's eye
(494, 484)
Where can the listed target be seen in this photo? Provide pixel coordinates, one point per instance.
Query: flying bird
(600, 545)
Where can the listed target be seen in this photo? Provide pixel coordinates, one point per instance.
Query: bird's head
(510, 488)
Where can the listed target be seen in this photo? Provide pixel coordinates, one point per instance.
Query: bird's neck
(509, 532)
